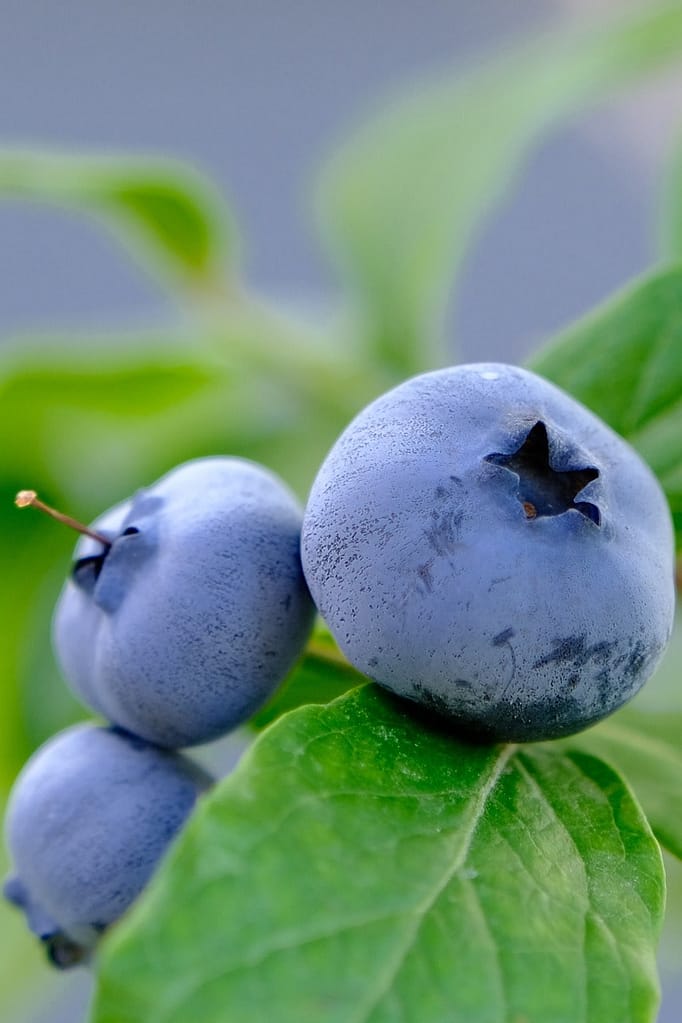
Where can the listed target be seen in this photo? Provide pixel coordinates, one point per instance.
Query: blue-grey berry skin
(481, 543)
(197, 611)
(88, 819)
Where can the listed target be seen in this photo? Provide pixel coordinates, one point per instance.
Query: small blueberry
(88, 819)
(182, 619)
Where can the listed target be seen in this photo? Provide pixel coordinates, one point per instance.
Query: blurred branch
(171, 218)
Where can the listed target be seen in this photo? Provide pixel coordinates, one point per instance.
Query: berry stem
(29, 499)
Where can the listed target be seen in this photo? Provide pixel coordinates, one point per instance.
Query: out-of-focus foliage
(399, 204)
(173, 219)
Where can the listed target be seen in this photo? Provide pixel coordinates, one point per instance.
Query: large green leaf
(172, 216)
(624, 361)
(399, 204)
(647, 748)
(360, 866)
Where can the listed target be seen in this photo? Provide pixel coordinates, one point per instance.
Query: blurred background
(257, 95)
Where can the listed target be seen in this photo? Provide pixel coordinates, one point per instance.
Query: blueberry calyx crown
(86, 570)
(544, 490)
(63, 952)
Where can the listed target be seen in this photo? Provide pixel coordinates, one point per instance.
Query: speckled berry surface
(197, 611)
(481, 543)
(88, 819)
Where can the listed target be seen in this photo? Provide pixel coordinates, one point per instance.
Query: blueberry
(88, 819)
(481, 543)
(186, 624)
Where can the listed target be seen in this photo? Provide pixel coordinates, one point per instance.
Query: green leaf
(360, 866)
(400, 203)
(646, 748)
(624, 361)
(167, 212)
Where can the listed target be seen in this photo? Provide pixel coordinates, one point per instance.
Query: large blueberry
(481, 543)
(88, 819)
(190, 619)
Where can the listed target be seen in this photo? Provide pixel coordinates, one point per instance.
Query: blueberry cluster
(185, 608)
(477, 541)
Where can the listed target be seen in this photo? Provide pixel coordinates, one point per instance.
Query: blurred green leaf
(24, 555)
(360, 866)
(664, 693)
(400, 203)
(670, 949)
(94, 416)
(647, 748)
(55, 392)
(624, 361)
(168, 213)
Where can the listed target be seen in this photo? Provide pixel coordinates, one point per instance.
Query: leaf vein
(420, 911)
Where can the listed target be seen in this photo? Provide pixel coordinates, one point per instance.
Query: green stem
(330, 654)
(322, 364)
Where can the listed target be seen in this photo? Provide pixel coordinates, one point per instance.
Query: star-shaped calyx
(544, 490)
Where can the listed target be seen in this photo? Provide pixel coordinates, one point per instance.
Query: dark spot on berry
(503, 637)
(443, 531)
(424, 573)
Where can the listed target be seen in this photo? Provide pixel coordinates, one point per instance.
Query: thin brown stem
(29, 499)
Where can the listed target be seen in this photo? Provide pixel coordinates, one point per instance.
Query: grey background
(256, 94)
